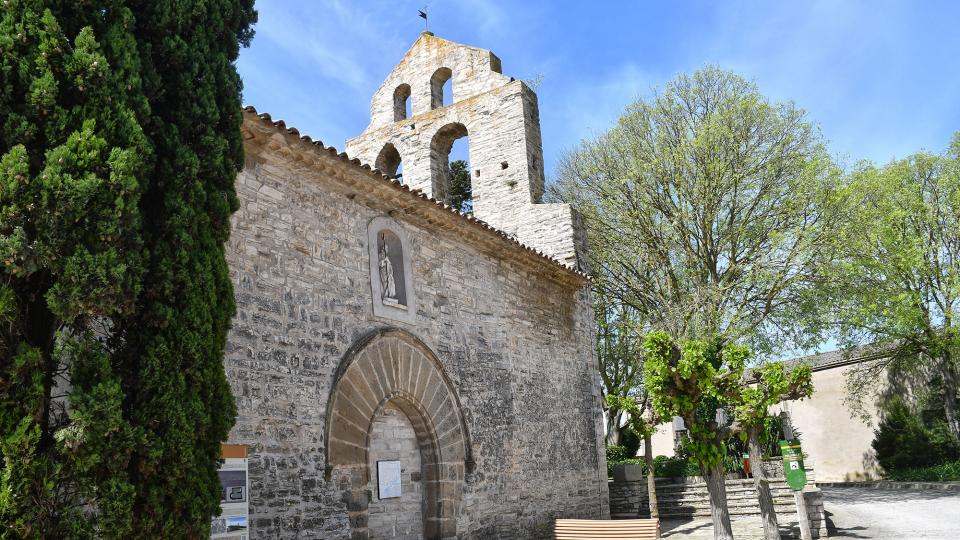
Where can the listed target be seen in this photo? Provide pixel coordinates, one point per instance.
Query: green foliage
(119, 145)
(631, 441)
(903, 442)
(895, 275)
(693, 383)
(663, 466)
(706, 208)
(944, 472)
(461, 190)
(772, 434)
(774, 384)
(615, 454)
(674, 467)
(638, 424)
(620, 355)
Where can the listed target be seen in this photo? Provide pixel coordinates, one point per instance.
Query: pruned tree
(772, 384)
(894, 278)
(694, 380)
(119, 147)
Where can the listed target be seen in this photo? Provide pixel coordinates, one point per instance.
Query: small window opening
(504, 165)
(401, 103)
(441, 88)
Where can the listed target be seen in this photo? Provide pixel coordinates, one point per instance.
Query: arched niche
(390, 367)
(391, 271)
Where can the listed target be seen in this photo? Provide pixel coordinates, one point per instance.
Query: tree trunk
(651, 476)
(771, 531)
(950, 394)
(613, 427)
(717, 487)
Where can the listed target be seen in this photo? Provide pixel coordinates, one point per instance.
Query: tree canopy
(461, 190)
(119, 145)
(706, 209)
(894, 278)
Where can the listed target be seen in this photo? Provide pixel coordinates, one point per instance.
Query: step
(733, 511)
(746, 495)
(730, 496)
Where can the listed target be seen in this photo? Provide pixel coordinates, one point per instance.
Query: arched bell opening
(389, 162)
(452, 185)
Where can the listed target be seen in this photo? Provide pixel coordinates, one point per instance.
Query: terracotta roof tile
(377, 175)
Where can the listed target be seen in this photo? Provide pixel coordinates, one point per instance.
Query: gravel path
(852, 512)
(892, 514)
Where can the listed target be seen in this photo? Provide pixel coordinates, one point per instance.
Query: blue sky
(881, 78)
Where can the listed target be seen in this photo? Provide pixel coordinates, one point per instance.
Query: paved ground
(743, 529)
(878, 514)
(892, 514)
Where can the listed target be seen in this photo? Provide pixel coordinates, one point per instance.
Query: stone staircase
(684, 501)
(690, 500)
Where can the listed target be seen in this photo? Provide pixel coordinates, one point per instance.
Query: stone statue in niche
(388, 284)
(390, 276)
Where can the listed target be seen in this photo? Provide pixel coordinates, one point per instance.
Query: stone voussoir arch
(392, 366)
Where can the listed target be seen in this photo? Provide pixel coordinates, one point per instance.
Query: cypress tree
(172, 348)
(119, 144)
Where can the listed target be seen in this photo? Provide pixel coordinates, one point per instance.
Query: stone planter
(628, 472)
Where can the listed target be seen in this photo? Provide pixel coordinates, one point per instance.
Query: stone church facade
(375, 324)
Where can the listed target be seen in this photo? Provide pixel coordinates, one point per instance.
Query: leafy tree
(706, 208)
(694, 381)
(619, 352)
(119, 144)
(461, 191)
(894, 279)
(643, 421)
(774, 384)
(902, 441)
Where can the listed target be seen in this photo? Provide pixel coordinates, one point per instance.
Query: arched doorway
(391, 377)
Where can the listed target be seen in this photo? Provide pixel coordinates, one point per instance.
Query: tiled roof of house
(841, 357)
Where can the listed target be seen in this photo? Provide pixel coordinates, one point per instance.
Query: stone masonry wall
(518, 348)
(393, 438)
(500, 116)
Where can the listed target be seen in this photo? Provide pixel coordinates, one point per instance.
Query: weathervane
(423, 14)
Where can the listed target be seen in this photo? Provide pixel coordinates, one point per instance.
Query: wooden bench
(616, 529)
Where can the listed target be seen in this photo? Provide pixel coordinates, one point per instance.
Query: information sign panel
(232, 523)
(793, 464)
(388, 479)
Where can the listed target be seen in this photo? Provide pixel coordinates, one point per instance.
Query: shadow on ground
(683, 526)
(842, 532)
(742, 527)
